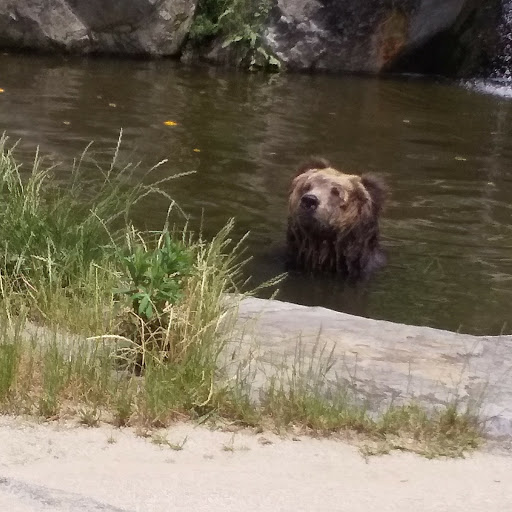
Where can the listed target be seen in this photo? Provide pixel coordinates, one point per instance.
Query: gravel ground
(61, 467)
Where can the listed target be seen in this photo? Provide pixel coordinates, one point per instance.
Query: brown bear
(333, 221)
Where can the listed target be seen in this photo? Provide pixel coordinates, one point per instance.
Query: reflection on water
(445, 151)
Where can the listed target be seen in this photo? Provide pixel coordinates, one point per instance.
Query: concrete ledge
(387, 361)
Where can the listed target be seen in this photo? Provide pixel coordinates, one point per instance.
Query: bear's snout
(309, 202)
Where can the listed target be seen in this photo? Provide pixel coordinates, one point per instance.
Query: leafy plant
(58, 244)
(155, 275)
(238, 23)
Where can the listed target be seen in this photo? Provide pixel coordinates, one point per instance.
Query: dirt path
(73, 469)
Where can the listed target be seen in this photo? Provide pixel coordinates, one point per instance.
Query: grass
(103, 323)
(300, 395)
(160, 440)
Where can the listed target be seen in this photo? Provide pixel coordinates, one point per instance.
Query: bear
(333, 221)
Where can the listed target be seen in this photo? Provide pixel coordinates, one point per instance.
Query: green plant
(444, 431)
(123, 403)
(239, 23)
(53, 376)
(8, 362)
(59, 244)
(161, 440)
(89, 416)
(155, 275)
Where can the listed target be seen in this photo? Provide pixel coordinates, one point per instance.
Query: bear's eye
(306, 188)
(335, 191)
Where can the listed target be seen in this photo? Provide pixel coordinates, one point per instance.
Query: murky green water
(446, 153)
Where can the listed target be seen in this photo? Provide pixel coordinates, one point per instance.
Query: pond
(445, 151)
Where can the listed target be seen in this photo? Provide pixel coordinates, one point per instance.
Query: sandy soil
(62, 467)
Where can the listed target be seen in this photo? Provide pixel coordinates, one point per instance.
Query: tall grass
(106, 301)
(60, 243)
(58, 230)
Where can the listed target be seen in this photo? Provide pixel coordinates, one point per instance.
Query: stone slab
(384, 361)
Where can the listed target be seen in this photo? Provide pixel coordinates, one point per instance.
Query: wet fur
(348, 244)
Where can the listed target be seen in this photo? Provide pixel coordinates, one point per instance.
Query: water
(445, 151)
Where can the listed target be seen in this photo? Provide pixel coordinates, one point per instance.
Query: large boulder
(477, 44)
(137, 27)
(360, 36)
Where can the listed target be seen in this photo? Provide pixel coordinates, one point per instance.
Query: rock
(138, 27)
(437, 36)
(471, 46)
(355, 36)
(382, 362)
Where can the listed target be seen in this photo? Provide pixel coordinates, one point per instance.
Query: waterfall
(499, 79)
(503, 63)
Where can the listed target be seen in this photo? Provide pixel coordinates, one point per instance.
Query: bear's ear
(298, 181)
(377, 189)
(313, 163)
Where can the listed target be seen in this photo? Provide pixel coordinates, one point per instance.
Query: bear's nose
(309, 201)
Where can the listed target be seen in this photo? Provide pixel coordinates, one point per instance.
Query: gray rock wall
(356, 36)
(470, 47)
(134, 27)
(455, 37)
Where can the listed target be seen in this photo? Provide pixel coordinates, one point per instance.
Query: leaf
(170, 123)
(227, 12)
(149, 310)
(272, 61)
(143, 304)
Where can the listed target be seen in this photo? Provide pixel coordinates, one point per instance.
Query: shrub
(155, 275)
(239, 23)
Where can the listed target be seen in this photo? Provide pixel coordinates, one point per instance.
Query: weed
(239, 23)
(53, 377)
(178, 446)
(230, 447)
(446, 432)
(8, 370)
(161, 440)
(59, 244)
(299, 395)
(89, 416)
(155, 275)
(123, 403)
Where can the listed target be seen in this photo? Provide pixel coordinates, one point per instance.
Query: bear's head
(333, 220)
(329, 202)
